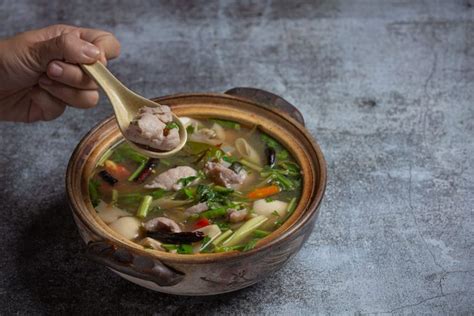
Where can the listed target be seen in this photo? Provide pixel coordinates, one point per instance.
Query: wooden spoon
(126, 104)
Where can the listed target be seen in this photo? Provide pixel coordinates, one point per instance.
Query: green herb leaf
(185, 249)
(169, 247)
(260, 233)
(223, 226)
(251, 244)
(214, 213)
(157, 194)
(216, 195)
(281, 152)
(188, 180)
(125, 152)
(206, 244)
(269, 141)
(190, 129)
(188, 192)
(214, 153)
(226, 123)
(229, 159)
(172, 125)
(94, 192)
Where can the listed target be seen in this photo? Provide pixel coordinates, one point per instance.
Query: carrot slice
(264, 192)
(117, 170)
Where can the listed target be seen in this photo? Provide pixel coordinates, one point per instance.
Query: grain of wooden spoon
(126, 104)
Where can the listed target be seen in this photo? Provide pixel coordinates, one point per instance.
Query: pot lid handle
(268, 99)
(124, 261)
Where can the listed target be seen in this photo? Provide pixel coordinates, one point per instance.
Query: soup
(229, 187)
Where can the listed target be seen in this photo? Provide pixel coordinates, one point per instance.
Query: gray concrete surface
(387, 88)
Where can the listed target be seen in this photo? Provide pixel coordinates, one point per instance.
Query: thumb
(68, 47)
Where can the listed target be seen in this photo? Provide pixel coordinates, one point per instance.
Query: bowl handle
(268, 99)
(124, 261)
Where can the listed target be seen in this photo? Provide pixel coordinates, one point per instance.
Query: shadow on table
(52, 268)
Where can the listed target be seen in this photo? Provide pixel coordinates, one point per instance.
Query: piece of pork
(224, 176)
(236, 216)
(149, 128)
(196, 209)
(168, 180)
(161, 224)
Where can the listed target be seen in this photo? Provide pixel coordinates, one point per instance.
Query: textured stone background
(387, 88)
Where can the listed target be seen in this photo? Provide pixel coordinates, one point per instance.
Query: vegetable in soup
(228, 188)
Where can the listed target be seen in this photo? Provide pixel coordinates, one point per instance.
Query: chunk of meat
(224, 176)
(168, 180)
(149, 128)
(162, 224)
(196, 209)
(236, 216)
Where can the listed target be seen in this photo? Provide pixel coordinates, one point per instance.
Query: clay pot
(214, 273)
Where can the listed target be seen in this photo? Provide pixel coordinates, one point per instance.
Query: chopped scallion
(251, 165)
(251, 244)
(261, 233)
(222, 237)
(115, 196)
(94, 191)
(144, 206)
(185, 249)
(244, 231)
(137, 171)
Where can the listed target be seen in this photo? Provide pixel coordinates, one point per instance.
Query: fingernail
(90, 51)
(45, 81)
(55, 70)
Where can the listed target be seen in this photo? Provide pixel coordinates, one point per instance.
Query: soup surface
(228, 188)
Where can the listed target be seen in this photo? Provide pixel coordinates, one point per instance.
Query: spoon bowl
(126, 104)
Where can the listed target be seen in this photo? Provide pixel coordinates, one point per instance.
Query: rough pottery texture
(387, 89)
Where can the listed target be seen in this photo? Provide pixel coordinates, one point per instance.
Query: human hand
(39, 74)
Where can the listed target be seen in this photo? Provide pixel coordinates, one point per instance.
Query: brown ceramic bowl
(203, 274)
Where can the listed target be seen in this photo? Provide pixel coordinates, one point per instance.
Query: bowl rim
(301, 221)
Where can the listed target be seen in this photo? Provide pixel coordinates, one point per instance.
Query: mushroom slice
(247, 151)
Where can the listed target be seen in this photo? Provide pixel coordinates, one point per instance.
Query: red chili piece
(146, 172)
(203, 222)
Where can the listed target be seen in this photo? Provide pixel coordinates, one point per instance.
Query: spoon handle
(107, 81)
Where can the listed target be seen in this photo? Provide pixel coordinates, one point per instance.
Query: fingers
(68, 47)
(73, 45)
(107, 43)
(74, 97)
(70, 75)
(44, 107)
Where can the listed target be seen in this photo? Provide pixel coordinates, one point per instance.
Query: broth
(229, 187)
